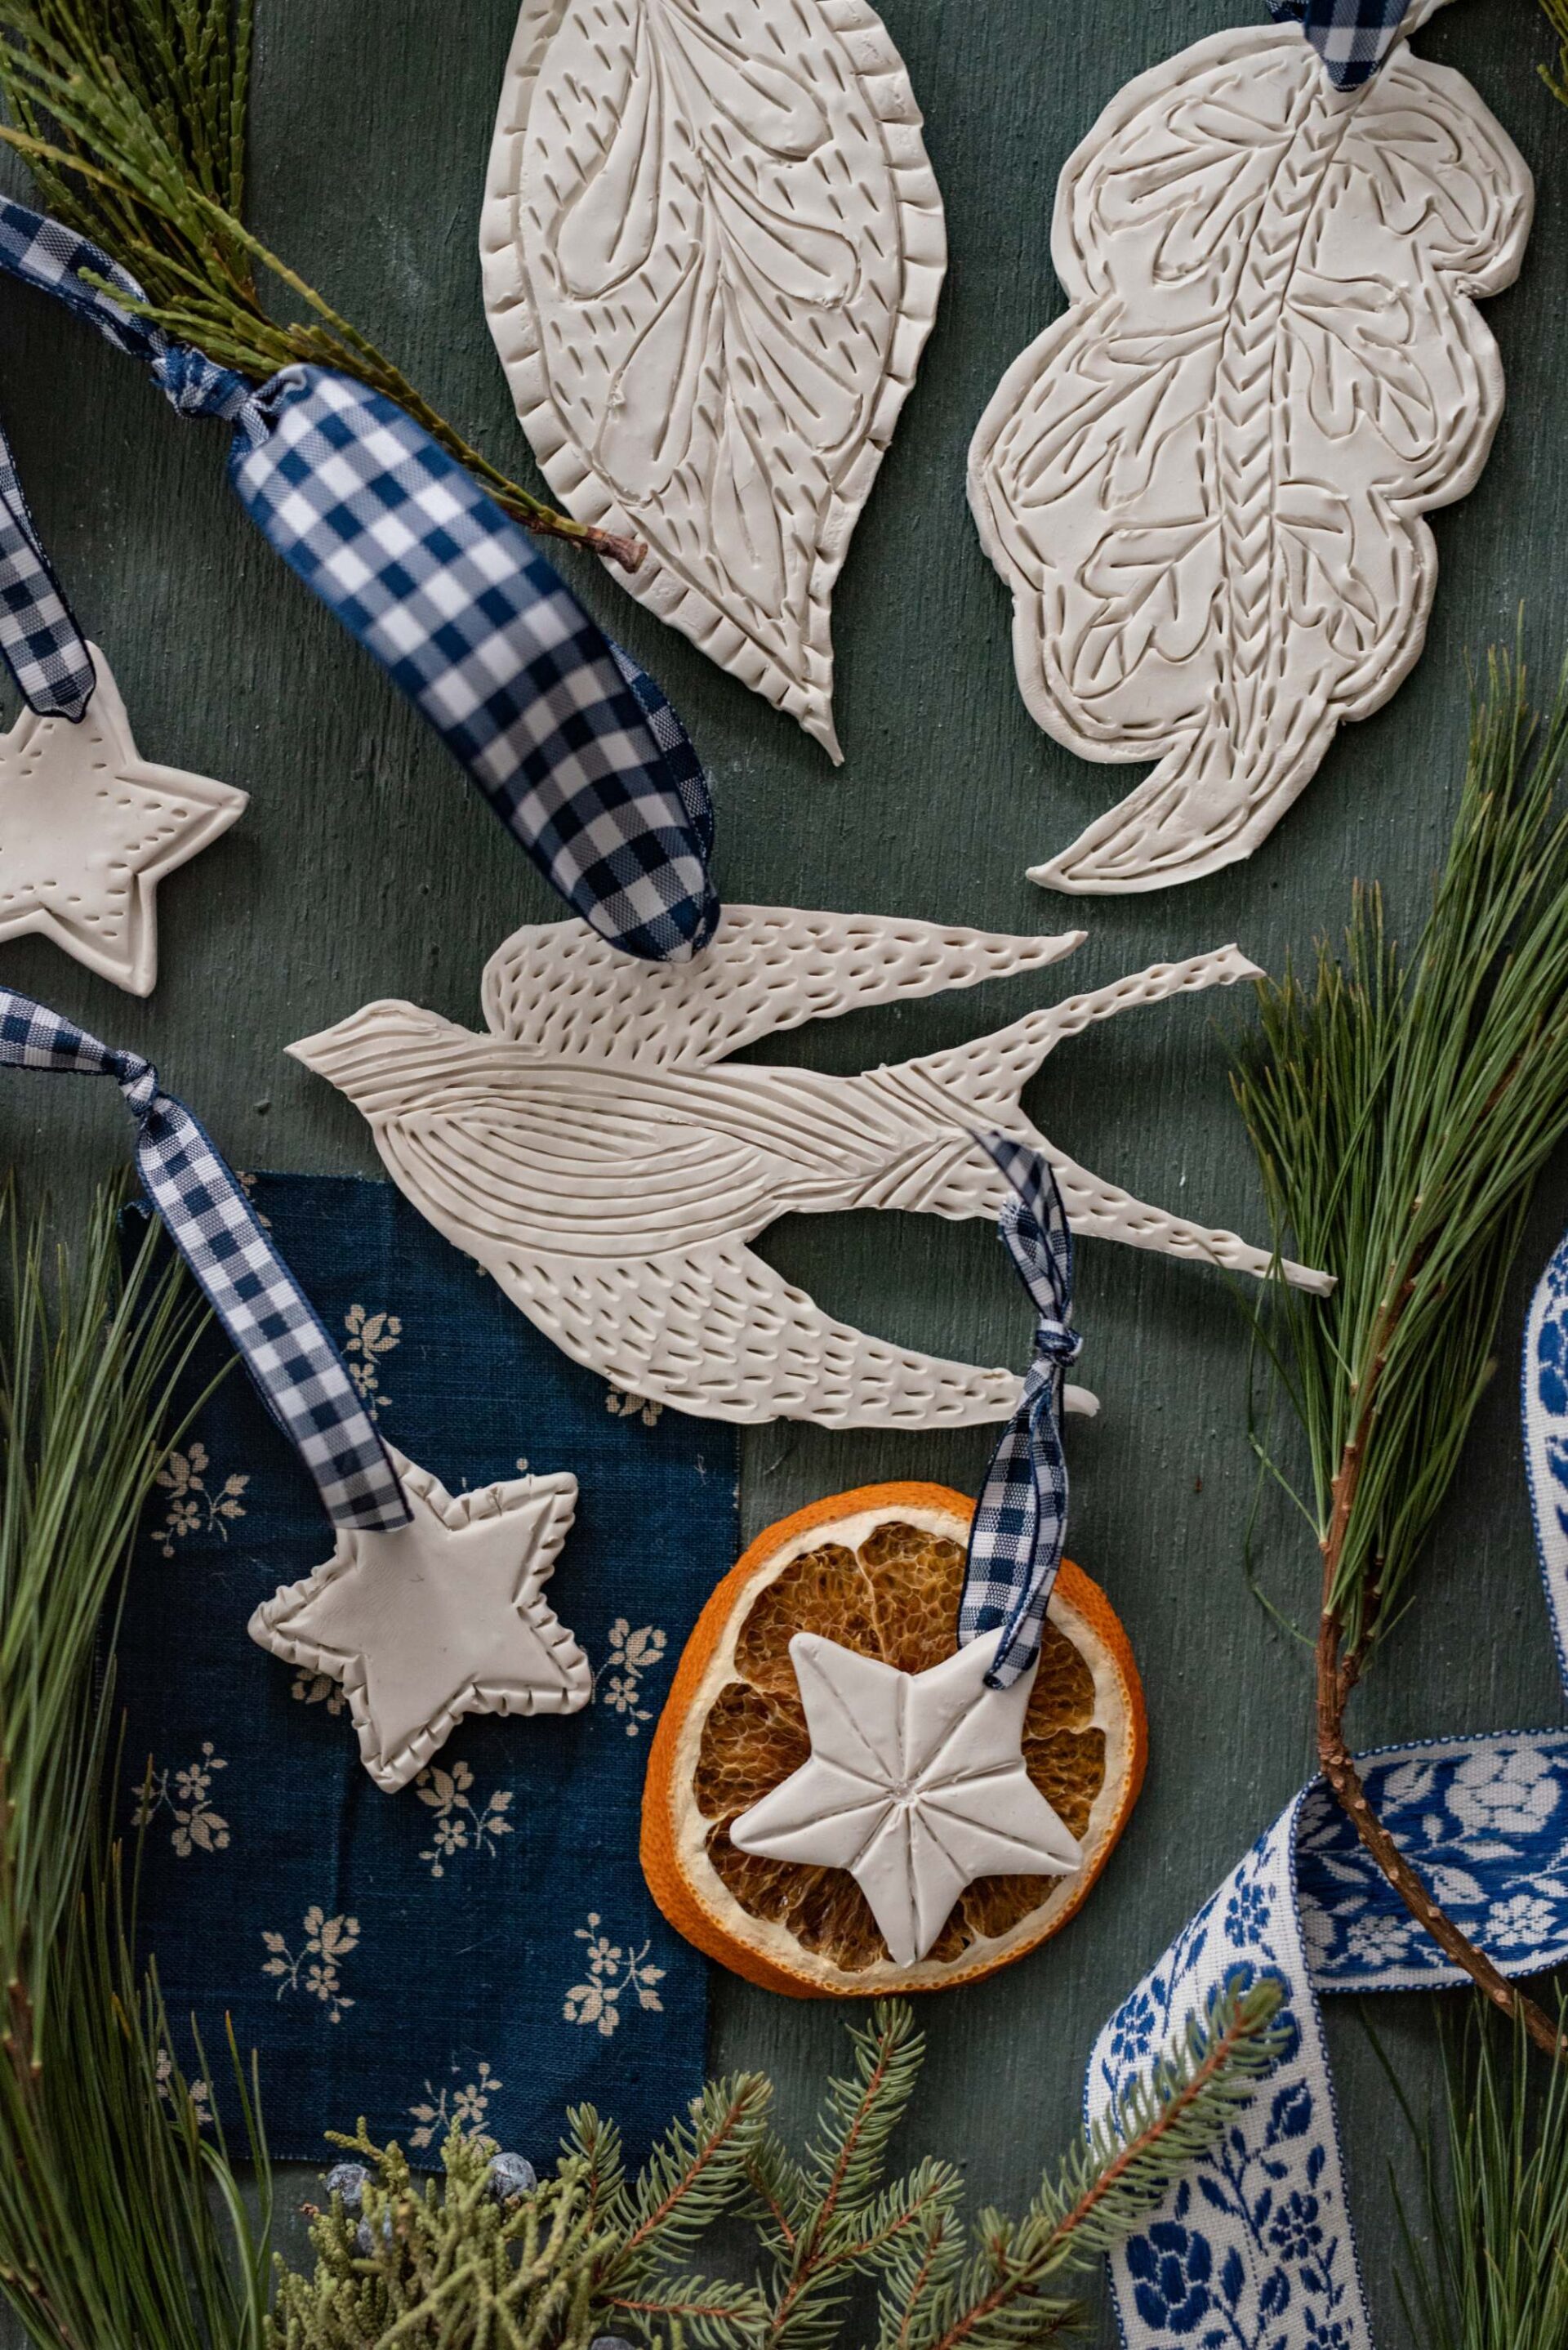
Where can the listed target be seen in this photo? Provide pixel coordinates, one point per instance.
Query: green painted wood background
(365, 868)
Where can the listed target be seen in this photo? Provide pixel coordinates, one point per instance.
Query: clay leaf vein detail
(1204, 484)
(712, 249)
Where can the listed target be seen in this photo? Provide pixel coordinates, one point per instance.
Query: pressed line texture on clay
(604, 1159)
(712, 247)
(1204, 484)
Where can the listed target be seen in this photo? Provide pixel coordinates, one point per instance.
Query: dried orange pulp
(880, 1570)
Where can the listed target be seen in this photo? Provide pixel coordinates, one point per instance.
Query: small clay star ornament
(916, 1784)
(442, 1618)
(87, 830)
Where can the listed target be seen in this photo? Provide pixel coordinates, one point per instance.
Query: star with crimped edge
(442, 1618)
(916, 1784)
(87, 830)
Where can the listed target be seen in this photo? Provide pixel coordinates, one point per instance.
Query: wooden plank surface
(365, 867)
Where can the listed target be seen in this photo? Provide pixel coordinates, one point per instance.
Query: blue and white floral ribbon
(1021, 1517)
(1255, 2250)
(298, 1371)
(576, 749)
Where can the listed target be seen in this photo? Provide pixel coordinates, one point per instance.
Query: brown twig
(1338, 1671)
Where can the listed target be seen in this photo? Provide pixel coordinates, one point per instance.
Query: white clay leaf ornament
(445, 1618)
(604, 1159)
(1204, 484)
(87, 830)
(916, 1784)
(712, 247)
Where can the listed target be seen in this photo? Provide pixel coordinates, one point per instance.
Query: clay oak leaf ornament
(88, 828)
(712, 247)
(446, 1617)
(1204, 484)
(603, 1158)
(916, 1783)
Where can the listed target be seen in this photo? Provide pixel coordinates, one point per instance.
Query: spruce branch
(1004, 2294)
(132, 116)
(1400, 1113)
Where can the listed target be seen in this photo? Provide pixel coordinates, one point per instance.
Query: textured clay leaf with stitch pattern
(1204, 484)
(712, 248)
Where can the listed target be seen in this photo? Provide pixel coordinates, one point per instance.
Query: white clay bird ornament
(604, 1159)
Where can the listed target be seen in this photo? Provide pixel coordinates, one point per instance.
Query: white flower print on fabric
(368, 1338)
(318, 1689)
(247, 1184)
(194, 1506)
(1374, 1940)
(184, 1794)
(314, 1969)
(198, 2095)
(460, 1825)
(440, 2111)
(611, 1970)
(621, 1404)
(617, 1682)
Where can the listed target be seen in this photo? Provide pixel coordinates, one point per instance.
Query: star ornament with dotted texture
(87, 830)
(443, 1618)
(916, 1784)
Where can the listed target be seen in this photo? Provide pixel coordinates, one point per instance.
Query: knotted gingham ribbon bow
(1255, 2246)
(1020, 1518)
(1354, 37)
(296, 1367)
(572, 745)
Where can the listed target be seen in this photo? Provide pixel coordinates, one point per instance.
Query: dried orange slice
(879, 1570)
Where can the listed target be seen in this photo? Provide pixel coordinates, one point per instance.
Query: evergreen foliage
(589, 2253)
(1401, 1111)
(1493, 2274)
(133, 117)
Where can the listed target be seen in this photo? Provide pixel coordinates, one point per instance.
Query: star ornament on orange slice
(916, 1785)
(835, 1804)
(88, 828)
(443, 1618)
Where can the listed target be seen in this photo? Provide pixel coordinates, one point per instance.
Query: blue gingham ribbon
(1020, 1518)
(44, 647)
(295, 1365)
(1254, 2250)
(1353, 37)
(574, 747)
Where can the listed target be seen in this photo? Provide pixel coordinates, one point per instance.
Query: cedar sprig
(1401, 1111)
(132, 115)
(1494, 2271)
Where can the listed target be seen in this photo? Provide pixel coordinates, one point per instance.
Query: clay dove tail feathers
(990, 1075)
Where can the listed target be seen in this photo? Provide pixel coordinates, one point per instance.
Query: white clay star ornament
(88, 828)
(443, 1618)
(916, 1784)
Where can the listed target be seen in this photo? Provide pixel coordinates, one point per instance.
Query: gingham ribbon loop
(1353, 37)
(297, 1368)
(1020, 1518)
(575, 749)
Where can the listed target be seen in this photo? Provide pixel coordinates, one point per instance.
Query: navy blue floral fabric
(481, 1948)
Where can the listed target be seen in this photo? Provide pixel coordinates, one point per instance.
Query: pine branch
(1004, 2294)
(1401, 1114)
(1556, 80)
(133, 117)
(107, 2232)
